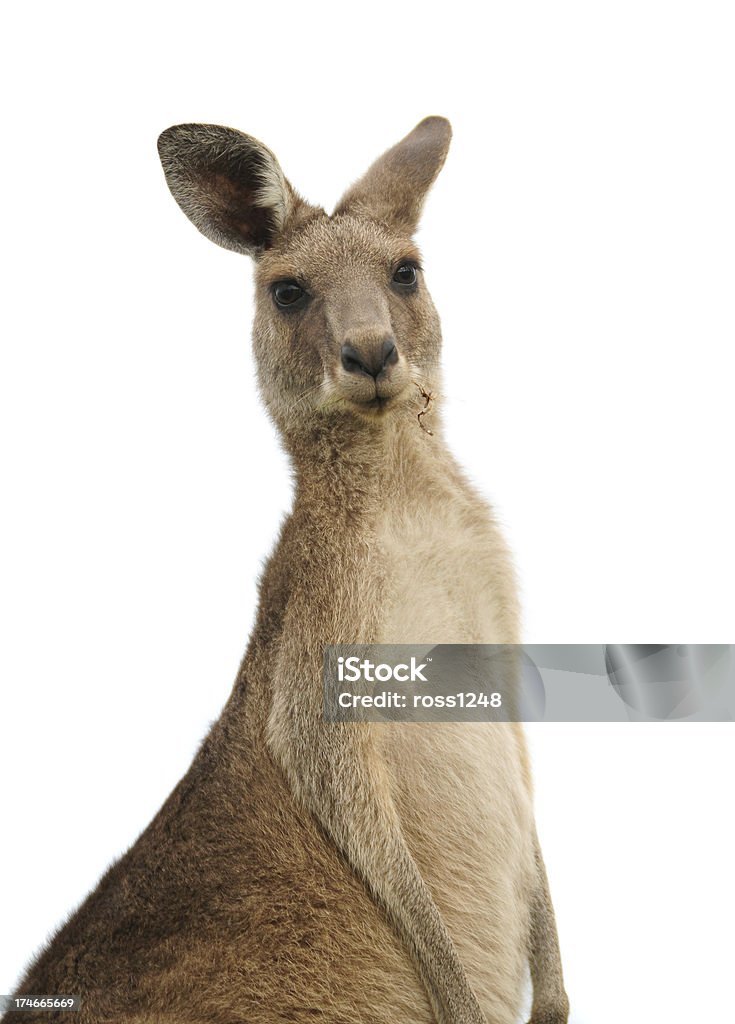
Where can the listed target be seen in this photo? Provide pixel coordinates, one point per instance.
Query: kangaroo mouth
(377, 403)
(372, 396)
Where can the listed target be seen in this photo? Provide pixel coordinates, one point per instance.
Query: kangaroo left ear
(229, 185)
(395, 186)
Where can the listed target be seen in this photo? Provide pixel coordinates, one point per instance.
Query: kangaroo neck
(350, 464)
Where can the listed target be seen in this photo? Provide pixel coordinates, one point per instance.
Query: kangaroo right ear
(393, 189)
(229, 185)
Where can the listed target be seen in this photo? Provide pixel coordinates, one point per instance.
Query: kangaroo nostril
(353, 362)
(389, 353)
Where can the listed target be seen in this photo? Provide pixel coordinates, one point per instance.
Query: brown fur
(303, 871)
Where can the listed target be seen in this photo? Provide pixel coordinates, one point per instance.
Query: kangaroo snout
(372, 359)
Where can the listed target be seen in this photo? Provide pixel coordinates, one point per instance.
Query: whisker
(306, 395)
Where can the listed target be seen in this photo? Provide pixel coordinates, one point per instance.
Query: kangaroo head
(344, 324)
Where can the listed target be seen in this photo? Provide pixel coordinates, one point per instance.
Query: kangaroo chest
(439, 571)
(458, 787)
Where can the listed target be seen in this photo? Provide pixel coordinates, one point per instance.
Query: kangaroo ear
(229, 185)
(394, 188)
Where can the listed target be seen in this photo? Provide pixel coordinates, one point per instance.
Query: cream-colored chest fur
(464, 806)
(448, 575)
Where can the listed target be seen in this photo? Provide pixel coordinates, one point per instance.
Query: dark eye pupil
(287, 292)
(406, 274)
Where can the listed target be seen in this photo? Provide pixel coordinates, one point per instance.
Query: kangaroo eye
(405, 274)
(286, 293)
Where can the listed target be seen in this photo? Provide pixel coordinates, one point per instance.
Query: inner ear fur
(229, 185)
(393, 189)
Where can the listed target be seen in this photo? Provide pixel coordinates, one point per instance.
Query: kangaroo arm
(335, 771)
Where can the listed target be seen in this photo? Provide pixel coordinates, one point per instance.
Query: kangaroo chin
(302, 869)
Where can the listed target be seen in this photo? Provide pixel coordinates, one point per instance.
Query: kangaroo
(306, 870)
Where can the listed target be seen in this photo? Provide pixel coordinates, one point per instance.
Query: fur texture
(304, 871)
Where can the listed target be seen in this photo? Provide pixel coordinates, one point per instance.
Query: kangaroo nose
(372, 361)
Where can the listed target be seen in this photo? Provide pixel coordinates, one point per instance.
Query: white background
(579, 246)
